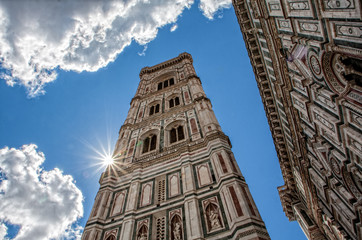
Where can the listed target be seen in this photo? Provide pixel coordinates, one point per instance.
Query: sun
(107, 160)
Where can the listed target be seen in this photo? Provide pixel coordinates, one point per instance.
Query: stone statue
(142, 236)
(177, 231)
(214, 219)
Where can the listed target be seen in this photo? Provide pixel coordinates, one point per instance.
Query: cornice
(166, 64)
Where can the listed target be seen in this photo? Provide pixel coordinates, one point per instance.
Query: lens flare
(103, 158)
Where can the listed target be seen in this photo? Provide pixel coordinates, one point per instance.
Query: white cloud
(210, 7)
(3, 231)
(143, 53)
(173, 28)
(39, 37)
(44, 203)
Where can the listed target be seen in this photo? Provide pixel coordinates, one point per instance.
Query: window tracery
(165, 84)
(154, 109)
(149, 143)
(174, 102)
(177, 134)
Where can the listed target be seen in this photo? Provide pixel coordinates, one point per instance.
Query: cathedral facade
(174, 175)
(307, 60)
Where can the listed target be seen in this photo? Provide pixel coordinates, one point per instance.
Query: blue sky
(80, 112)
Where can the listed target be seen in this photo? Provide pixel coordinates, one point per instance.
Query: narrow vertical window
(146, 144)
(152, 109)
(157, 108)
(153, 143)
(172, 81)
(177, 101)
(165, 84)
(173, 135)
(159, 86)
(180, 133)
(171, 103)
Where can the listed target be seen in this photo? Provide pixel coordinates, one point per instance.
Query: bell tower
(174, 175)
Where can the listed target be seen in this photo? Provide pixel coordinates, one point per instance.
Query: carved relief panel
(298, 8)
(340, 8)
(176, 226)
(212, 215)
(142, 231)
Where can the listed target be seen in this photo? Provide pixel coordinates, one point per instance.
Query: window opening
(177, 101)
(153, 143)
(171, 103)
(152, 109)
(165, 84)
(159, 86)
(157, 108)
(149, 144)
(180, 133)
(173, 137)
(161, 190)
(160, 228)
(172, 81)
(146, 144)
(177, 134)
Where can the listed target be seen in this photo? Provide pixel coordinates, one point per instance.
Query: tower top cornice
(168, 63)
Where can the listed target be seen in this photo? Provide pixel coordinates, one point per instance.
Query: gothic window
(154, 109)
(177, 134)
(165, 84)
(149, 143)
(174, 102)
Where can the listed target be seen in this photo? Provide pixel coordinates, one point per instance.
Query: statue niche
(213, 217)
(176, 228)
(142, 233)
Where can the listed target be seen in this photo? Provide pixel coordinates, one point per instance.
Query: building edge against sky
(174, 174)
(307, 61)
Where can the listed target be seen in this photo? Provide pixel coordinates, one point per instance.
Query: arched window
(174, 102)
(165, 84)
(177, 134)
(154, 109)
(149, 143)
